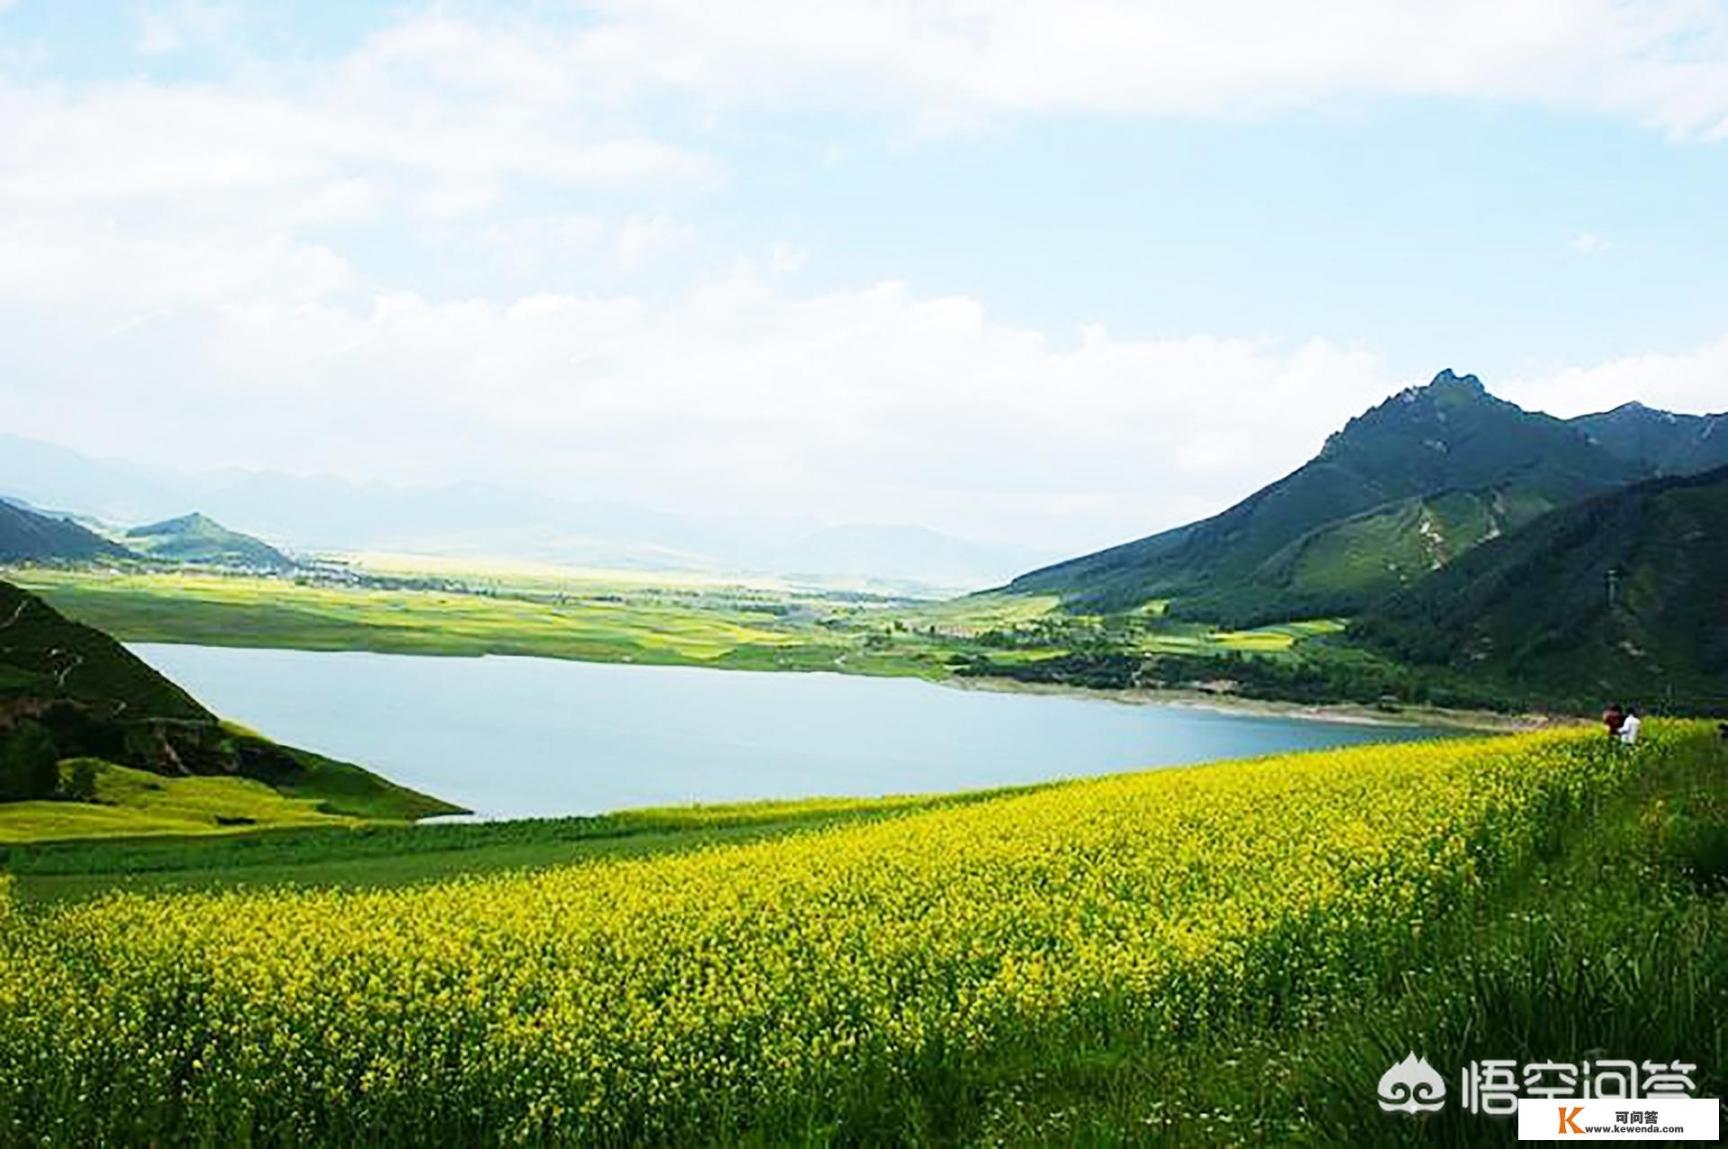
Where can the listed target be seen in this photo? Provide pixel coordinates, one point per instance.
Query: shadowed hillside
(26, 535)
(68, 691)
(1624, 596)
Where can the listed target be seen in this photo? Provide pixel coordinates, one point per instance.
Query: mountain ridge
(1434, 469)
(1667, 442)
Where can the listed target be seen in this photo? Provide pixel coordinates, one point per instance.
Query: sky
(1059, 274)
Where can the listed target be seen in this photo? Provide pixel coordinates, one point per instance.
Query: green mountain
(1662, 442)
(47, 659)
(196, 538)
(69, 691)
(1400, 491)
(1616, 598)
(27, 535)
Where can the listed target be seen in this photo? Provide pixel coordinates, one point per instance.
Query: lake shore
(1355, 714)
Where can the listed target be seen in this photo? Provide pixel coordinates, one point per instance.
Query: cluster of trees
(1314, 680)
(1097, 669)
(30, 767)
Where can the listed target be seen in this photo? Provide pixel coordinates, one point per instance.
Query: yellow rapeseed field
(643, 1000)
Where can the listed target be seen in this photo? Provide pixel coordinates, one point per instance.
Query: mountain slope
(1278, 553)
(70, 691)
(196, 538)
(1534, 607)
(1662, 442)
(46, 657)
(24, 534)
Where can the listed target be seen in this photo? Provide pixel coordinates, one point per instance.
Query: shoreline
(1343, 713)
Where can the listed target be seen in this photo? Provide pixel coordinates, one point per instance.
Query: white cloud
(185, 271)
(492, 91)
(279, 144)
(959, 61)
(1588, 243)
(867, 405)
(1694, 381)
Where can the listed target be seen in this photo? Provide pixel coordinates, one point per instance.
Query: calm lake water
(528, 737)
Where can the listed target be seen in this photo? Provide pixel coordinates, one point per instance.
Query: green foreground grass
(136, 802)
(1611, 942)
(130, 803)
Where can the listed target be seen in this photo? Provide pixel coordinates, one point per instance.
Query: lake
(535, 737)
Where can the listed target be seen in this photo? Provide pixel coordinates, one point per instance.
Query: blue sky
(1059, 274)
(1439, 231)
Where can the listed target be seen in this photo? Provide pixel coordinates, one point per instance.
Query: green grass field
(595, 622)
(136, 802)
(132, 803)
(591, 616)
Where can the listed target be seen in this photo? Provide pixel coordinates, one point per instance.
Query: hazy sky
(1060, 273)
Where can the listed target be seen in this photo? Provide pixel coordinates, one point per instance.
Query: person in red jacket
(1612, 719)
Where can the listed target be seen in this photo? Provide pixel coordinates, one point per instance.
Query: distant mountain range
(323, 513)
(1625, 594)
(31, 535)
(1400, 492)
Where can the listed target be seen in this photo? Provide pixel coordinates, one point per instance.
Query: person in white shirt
(1629, 728)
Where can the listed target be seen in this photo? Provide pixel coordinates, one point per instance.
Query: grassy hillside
(1354, 521)
(69, 691)
(28, 536)
(1215, 955)
(136, 802)
(1532, 611)
(46, 656)
(196, 538)
(1336, 568)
